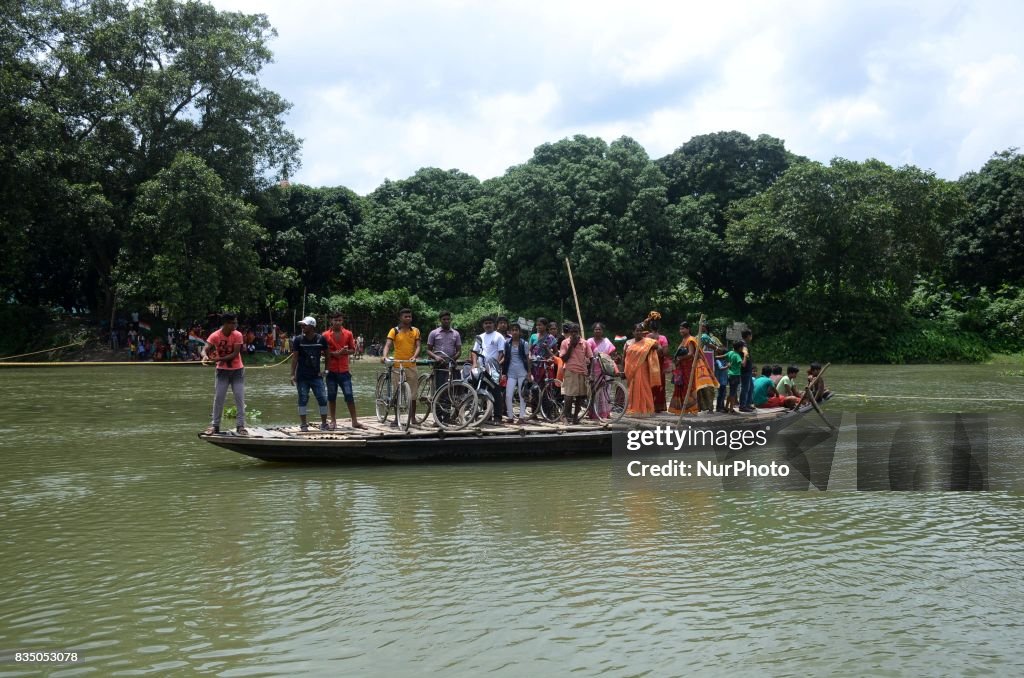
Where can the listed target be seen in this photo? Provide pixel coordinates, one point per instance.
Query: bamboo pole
(814, 401)
(579, 316)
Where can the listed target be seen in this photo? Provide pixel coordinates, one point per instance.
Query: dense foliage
(140, 159)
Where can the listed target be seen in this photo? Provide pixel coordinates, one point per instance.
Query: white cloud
(383, 89)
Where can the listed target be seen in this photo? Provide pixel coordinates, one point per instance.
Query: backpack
(608, 366)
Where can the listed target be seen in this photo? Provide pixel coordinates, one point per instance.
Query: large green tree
(110, 91)
(603, 206)
(705, 177)
(986, 245)
(193, 246)
(427, 233)
(850, 237)
(312, 231)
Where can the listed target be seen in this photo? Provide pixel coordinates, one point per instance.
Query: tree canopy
(140, 159)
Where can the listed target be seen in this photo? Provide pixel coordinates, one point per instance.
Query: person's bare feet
(356, 424)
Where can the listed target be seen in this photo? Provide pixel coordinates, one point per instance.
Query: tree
(193, 247)
(850, 237)
(312, 231)
(428, 232)
(601, 205)
(986, 245)
(707, 175)
(111, 91)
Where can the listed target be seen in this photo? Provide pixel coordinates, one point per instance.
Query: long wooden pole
(814, 401)
(579, 316)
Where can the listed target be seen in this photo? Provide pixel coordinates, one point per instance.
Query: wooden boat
(380, 442)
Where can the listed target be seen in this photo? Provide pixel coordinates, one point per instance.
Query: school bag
(608, 366)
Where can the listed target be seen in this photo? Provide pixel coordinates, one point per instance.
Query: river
(145, 550)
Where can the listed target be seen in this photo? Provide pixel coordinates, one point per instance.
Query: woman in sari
(691, 376)
(600, 344)
(643, 368)
(658, 388)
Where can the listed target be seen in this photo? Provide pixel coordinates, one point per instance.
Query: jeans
(515, 382)
(236, 380)
(440, 378)
(722, 376)
(339, 379)
(304, 384)
(747, 392)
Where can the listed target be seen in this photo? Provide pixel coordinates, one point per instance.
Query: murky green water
(147, 551)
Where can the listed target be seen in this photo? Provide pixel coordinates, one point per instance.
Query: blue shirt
(309, 353)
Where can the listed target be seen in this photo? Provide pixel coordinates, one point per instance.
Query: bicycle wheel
(382, 398)
(403, 399)
(551, 402)
(454, 405)
(484, 410)
(610, 398)
(424, 394)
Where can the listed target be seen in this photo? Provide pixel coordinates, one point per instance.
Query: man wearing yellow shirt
(405, 340)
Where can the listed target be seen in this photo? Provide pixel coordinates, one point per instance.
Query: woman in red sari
(691, 375)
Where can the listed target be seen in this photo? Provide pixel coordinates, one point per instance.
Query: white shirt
(490, 344)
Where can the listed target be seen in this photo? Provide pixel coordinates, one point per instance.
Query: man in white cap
(307, 350)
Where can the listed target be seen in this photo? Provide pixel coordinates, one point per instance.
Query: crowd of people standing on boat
(707, 375)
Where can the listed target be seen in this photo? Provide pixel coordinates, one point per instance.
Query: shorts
(734, 385)
(574, 384)
(774, 401)
(342, 380)
(410, 375)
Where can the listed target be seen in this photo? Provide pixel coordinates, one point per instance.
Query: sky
(380, 89)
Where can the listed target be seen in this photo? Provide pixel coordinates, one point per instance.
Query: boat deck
(384, 442)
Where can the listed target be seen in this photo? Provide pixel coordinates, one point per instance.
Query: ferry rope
(900, 397)
(120, 363)
(45, 350)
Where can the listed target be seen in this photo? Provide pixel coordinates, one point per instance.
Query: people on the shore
(224, 348)
(308, 347)
(341, 345)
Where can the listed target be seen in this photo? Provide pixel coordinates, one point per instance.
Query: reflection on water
(127, 539)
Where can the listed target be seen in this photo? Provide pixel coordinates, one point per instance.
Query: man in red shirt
(224, 347)
(341, 345)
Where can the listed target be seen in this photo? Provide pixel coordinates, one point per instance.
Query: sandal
(304, 428)
(242, 431)
(211, 431)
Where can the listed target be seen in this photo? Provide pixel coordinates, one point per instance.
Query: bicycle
(426, 385)
(609, 389)
(467, 401)
(397, 399)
